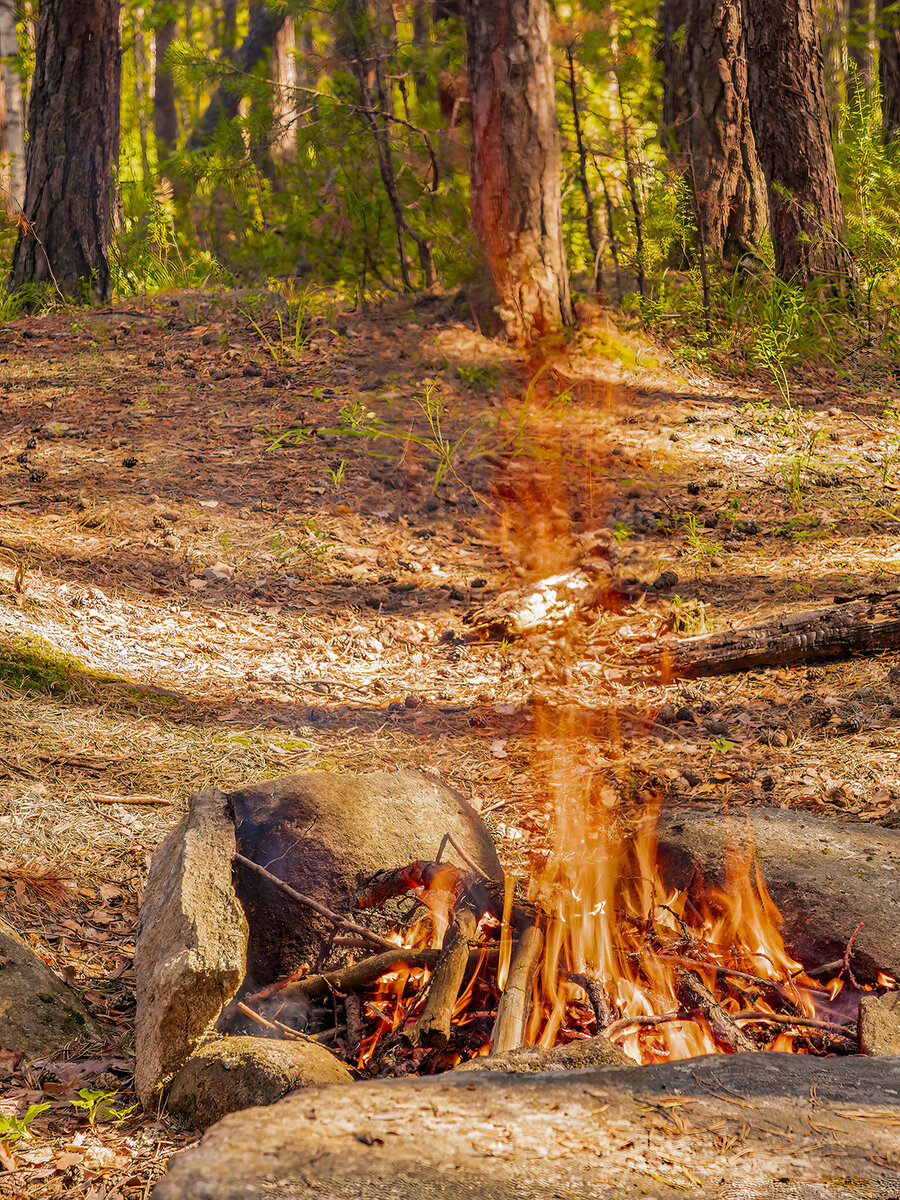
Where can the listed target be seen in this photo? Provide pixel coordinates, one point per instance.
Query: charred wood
(694, 994)
(433, 1026)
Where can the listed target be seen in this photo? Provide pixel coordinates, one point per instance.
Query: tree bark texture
(793, 139)
(14, 179)
(706, 110)
(516, 164)
(860, 23)
(889, 69)
(73, 145)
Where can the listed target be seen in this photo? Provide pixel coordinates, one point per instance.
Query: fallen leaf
(498, 748)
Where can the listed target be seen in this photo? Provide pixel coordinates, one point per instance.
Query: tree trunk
(834, 55)
(889, 69)
(265, 24)
(165, 115)
(15, 112)
(860, 22)
(228, 36)
(516, 203)
(793, 140)
(73, 144)
(706, 110)
(284, 103)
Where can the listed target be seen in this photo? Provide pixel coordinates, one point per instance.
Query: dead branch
(752, 1014)
(433, 1025)
(361, 974)
(847, 966)
(693, 994)
(307, 901)
(387, 885)
(512, 1011)
(646, 1021)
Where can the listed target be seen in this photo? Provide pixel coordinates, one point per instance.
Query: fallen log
(846, 628)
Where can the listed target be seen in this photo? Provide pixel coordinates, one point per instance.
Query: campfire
(589, 943)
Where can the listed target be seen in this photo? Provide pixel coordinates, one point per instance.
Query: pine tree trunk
(793, 140)
(15, 112)
(516, 203)
(834, 55)
(706, 110)
(165, 115)
(889, 69)
(860, 20)
(284, 105)
(73, 143)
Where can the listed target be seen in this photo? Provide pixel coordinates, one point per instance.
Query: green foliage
(14, 1128)
(98, 1107)
(146, 256)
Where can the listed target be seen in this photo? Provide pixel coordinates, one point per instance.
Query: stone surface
(231, 1074)
(735, 1127)
(824, 877)
(321, 831)
(879, 1024)
(591, 1052)
(191, 944)
(39, 1015)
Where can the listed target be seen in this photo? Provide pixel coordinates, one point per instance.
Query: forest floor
(189, 598)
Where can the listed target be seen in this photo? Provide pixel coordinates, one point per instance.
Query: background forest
(329, 148)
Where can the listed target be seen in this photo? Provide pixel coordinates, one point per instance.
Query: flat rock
(726, 1126)
(824, 877)
(39, 1014)
(192, 941)
(321, 832)
(879, 1024)
(230, 1074)
(589, 1052)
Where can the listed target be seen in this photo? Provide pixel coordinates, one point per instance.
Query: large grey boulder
(230, 1074)
(726, 1126)
(824, 877)
(192, 941)
(322, 832)
(39, 1014)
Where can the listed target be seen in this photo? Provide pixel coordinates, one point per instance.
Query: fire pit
(618, 943)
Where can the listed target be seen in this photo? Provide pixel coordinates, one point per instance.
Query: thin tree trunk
(73, 144)
(589, 214)
(889, 68)
(793, 139)
(706, 110)
(834, 55)
(15, 111)
(860, 48)
(225, 104)
(516, 164)
(284, 107)
(140, 77)
(228, 36)
(165, 114)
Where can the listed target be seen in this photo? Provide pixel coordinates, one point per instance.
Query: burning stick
(693, 994)
(512, 1011)
(308, 902)
(596, 993)
(433, 1026)
(362, 973)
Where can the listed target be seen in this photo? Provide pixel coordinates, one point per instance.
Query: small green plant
(14, 1128)
(779, 326)
(622, 532)
(98, 1106)
(689, 616)
(795, 471)
(719, 745)
(479, 377)
(700, 549)
(338, 475)
(310, 549)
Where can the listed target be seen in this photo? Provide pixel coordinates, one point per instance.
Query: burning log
(473, 891)
(596, 993)
(433, 1026)
(512, 1012)
(361, 974)
(693, 994)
